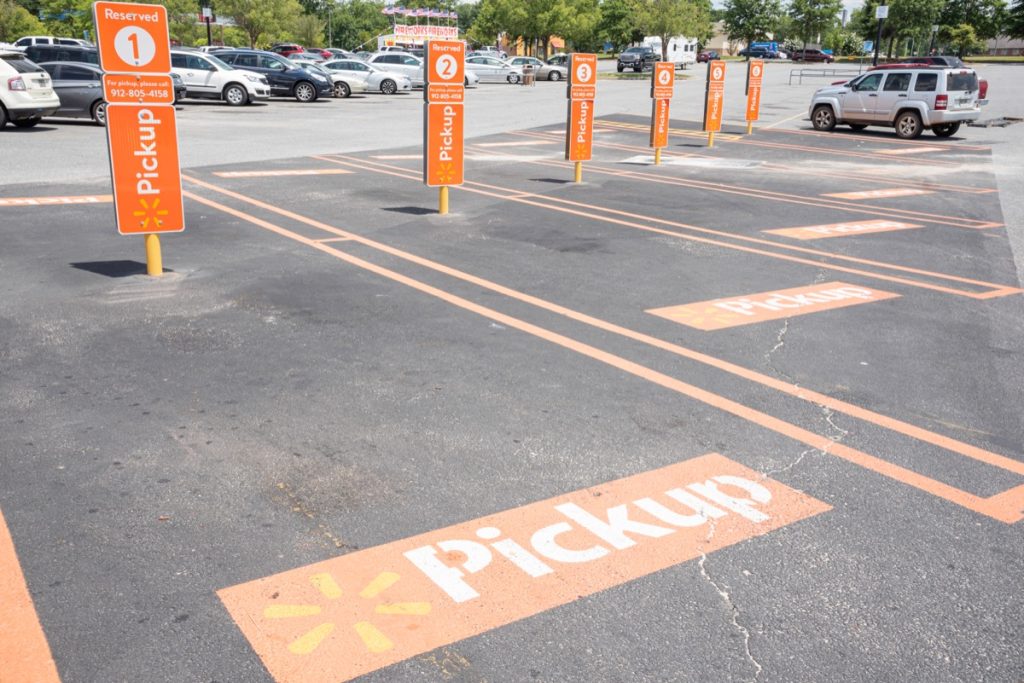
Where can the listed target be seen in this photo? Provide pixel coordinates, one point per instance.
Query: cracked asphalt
(329, 368)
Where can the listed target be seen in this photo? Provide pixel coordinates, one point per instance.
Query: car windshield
(962, 81)
(20, 64)
(219, 62)
(635, 50)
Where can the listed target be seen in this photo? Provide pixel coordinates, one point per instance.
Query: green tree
(669, 18)
(751, 20)
(842, 42)
(578, 21)
(16, 21)
(986, 17)
(812, 18)
(357, 23)
(309, 30)
(618, 24)
(907, 18)
(263, 21)
(962, 39)
(1014, 25)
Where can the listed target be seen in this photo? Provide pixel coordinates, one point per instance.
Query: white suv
(26, 91)
(908, 97)
(208, 77)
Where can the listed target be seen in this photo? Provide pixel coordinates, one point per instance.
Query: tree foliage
(668, 18)
(1015, 21)
(813, 18)
(986, 17)
(16, 21)
(262, 21)
(309, 30)
(751, 20)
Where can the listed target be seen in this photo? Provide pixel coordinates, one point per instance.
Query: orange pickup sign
(714, 97)
(132, 38)
(144, 165)
(755, 75)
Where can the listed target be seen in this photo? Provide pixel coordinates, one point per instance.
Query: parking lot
(752, 414)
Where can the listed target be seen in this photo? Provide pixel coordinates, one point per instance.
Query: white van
(681, 50)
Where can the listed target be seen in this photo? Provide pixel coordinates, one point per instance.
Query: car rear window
(20, 64)
(962, 81)
(926, 82)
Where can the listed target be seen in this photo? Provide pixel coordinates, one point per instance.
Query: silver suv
(909, 98)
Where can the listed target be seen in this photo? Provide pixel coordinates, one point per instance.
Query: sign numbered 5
(714, 96)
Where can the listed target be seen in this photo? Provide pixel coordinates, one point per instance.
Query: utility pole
(881, 12)
(207, 16)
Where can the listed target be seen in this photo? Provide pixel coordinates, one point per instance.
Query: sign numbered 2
(443, 113)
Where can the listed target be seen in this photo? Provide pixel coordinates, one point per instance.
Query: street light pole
(881, 12)
(931, 46)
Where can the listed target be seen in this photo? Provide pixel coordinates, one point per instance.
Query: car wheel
(945, 130)
(3, 116)
(341, 89)
(823, 118)
(555, 76)
(637, 69)
(388, 86)
(235, 95)
(99, 112)
(858, 126)
(620, 68)
(513, 79)
(908, 125)
(25, 123)
(305, 92)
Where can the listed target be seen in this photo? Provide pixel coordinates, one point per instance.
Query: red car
(322, 51)
(287, 49)
(707, 56)
(811, 55)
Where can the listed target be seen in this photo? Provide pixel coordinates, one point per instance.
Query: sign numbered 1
(132, 38)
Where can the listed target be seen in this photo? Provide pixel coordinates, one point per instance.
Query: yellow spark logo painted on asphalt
(372, 637)
(150, 213)
(700, 317)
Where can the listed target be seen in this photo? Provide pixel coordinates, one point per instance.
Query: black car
(758, 53)
(62, 53)
(285, 77)
(637, 58)
(936, 60)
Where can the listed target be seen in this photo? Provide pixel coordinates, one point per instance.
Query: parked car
(637, 58)
(286, 78)
(400, 62)
(541, 71)
(50, 40)
(909, 99)
(26, 91)
(180, 91)
(811, 55)
(560, 59)
(306, 57)
(206, 76)
(377, 79)
(493, 69)
(758, 53)
(491, 51)
(936, 60)
(323, 53)
(80, 89)
(287, 49)
(707, 55)
(338, 53)
(343, 85)
(62, 53)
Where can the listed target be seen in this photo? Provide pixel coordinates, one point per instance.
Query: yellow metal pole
(154, 261)
(711, 139)
(579, 172)
(657, 156)
(750, 127)
(443, 200)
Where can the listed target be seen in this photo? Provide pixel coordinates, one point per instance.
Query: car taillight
(941, 102)
(16, 83)
(982, 89)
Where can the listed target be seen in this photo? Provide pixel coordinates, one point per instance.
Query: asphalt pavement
(752, 414)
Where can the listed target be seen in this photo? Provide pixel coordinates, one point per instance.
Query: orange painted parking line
(516, 143)
(335, 239)
(817, 232)
(398, 157)
(853, 207)
(883, 193)
(1008, 513)
(720, 314)
(282, 172)
(743, 140)
(507, 194)
(913, 150)
(56, 201)
(801, 170)
(394, 601)
(886, 141)
(24, 653)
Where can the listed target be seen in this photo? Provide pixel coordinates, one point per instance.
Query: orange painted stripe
(443, 586)
(913, 150)
(801, 170)
(24, 653)
(56, 201)
(507, 194)
(817, 232)
(720, 314)
(282, 172)
(884, 193)
(1006, 514)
